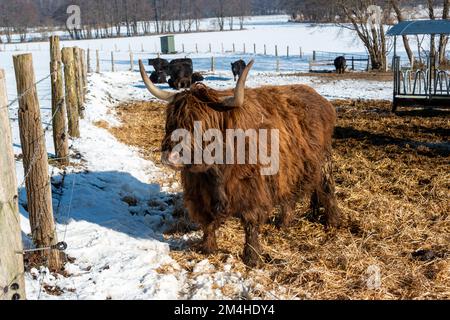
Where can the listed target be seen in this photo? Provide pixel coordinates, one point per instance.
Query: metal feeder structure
(425, 87)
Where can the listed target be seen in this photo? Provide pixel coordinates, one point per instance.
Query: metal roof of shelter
(420, 27)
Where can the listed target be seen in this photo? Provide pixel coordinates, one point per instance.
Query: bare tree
(369, 27)
(398, 12)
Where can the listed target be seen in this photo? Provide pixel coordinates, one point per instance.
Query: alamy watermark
(236, 146)
(373, 280)
(74, 20)
(375, 15)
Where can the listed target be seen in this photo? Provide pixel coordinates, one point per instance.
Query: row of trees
(111, 18)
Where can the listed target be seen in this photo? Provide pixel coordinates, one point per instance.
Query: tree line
(112, 18)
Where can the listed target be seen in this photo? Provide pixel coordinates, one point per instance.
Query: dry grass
(393, 182)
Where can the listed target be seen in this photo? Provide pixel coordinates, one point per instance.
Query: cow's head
(186, 108)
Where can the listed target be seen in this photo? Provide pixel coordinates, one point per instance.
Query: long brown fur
(305, 121)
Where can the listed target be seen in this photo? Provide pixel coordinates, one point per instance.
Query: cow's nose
(172, 159)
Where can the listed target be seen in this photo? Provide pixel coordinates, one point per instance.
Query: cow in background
(238, 67)
(341, 64)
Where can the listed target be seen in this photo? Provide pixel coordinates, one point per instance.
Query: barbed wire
(33, 86)
(61, 246)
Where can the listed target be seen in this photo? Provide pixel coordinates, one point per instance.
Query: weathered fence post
(287, 51)
(12, 282)
(131, 61)
(276, 50)
(78, 80)
(97, 69)
(112, 62)
(60, 138)
(71, 94)
(265, 50)
(35, 162)
(84, 73)
(314, 55)
(301, 52)
(353, 63)
(89, 69)
(213, 64)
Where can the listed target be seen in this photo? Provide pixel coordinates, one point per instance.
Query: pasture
(121, 212)
(392, 183)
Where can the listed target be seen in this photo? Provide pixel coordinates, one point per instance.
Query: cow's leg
(325, 195)
(209, 244)
(252, 248)
(286, 215)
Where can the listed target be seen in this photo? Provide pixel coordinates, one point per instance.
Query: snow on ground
(120, 251)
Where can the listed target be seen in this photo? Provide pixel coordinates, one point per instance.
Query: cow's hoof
(208, 248)
(252, 258)
(334, 219)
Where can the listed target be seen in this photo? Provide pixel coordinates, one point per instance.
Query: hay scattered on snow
(393, 182)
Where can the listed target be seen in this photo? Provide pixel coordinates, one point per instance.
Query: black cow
(197, 77)
(341, 64)
(160, 65)
(180, 72)
(238, 67)
(158, 77)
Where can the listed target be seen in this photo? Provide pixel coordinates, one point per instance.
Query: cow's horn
(154, 90)
(239, 93)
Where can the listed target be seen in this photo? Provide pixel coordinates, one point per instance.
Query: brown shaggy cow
(213, 193)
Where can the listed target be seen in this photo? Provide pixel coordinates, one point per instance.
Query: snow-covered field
(119, 254)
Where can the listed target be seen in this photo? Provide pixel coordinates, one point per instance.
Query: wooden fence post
(71, 94)
(97, 70)
(265, 50)
(84, 72)
(12, 283)
(89, 69)
(287, 51)
(131, 61)
(276, 50)
(112, 62)
(78, 80)
(60, 138)
(35, 162)
(301, 52)
(213, 64)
